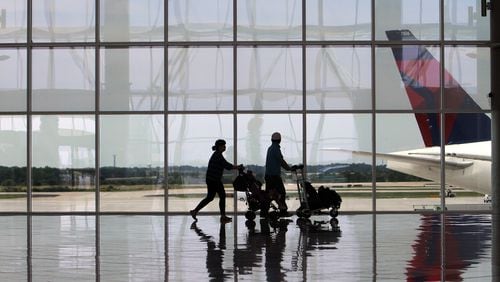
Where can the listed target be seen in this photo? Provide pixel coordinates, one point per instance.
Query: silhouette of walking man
(274, 184)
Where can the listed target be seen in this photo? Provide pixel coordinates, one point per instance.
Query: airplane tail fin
(420, 74)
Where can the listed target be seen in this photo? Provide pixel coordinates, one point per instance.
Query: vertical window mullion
(165, 137)
(374, 143)
(29, 59)
(442, 139)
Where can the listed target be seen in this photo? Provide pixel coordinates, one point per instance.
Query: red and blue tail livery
(467, 150)
(420, 73)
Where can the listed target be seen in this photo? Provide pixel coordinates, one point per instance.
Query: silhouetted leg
(222, 199)
(210, 196)
(280, 187)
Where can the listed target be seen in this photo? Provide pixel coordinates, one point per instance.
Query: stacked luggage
(314, 201)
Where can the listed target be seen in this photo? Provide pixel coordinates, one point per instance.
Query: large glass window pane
(200, 20)
(269, 78)
(338, 78)
(412, 253)
(191, 138)
(421, 17)
(63, 79)
(132, 20)
(269, 20)
(339, 157)
(13, 175)
(467, 78)
(64, 21)
(468, 161)
(429, 247)
(63, 172)
(463, 20)
(254, 137)
(408, 162)
(63, 248)
(13, 20)
(132, 248)
(266, 250)
(471, 232)
(13, 243)
(131, 156)
(407, 78)
(200, 79)
(338, 20)
(210, 256)
(132, 79)
(13, 79)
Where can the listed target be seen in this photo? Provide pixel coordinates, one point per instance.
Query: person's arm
(284, 164)
(240, 166)
(227, 165)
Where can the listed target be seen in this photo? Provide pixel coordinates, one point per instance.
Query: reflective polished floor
(133, 248)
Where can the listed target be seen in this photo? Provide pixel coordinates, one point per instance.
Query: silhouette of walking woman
(216, 166)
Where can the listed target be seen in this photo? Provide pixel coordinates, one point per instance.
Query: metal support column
(495, 138)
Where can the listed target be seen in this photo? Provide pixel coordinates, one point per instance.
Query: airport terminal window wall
(111, 107)
(114, 105)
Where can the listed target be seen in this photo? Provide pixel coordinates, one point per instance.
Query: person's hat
(276, 136)
(218, 143)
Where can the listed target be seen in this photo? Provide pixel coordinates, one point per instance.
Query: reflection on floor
(133, 248)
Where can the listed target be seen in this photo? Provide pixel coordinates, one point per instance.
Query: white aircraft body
(466, 165)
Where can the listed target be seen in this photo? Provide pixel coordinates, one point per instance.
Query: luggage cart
(323, 201)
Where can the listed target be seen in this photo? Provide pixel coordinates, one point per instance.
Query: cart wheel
(274, 215)
(250, 224)
(306, 213)
(334, 222)
(334, 212)
(303, 222)
(250, 215)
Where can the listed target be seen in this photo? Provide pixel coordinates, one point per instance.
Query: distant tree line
(49, 176)
(13, 175)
